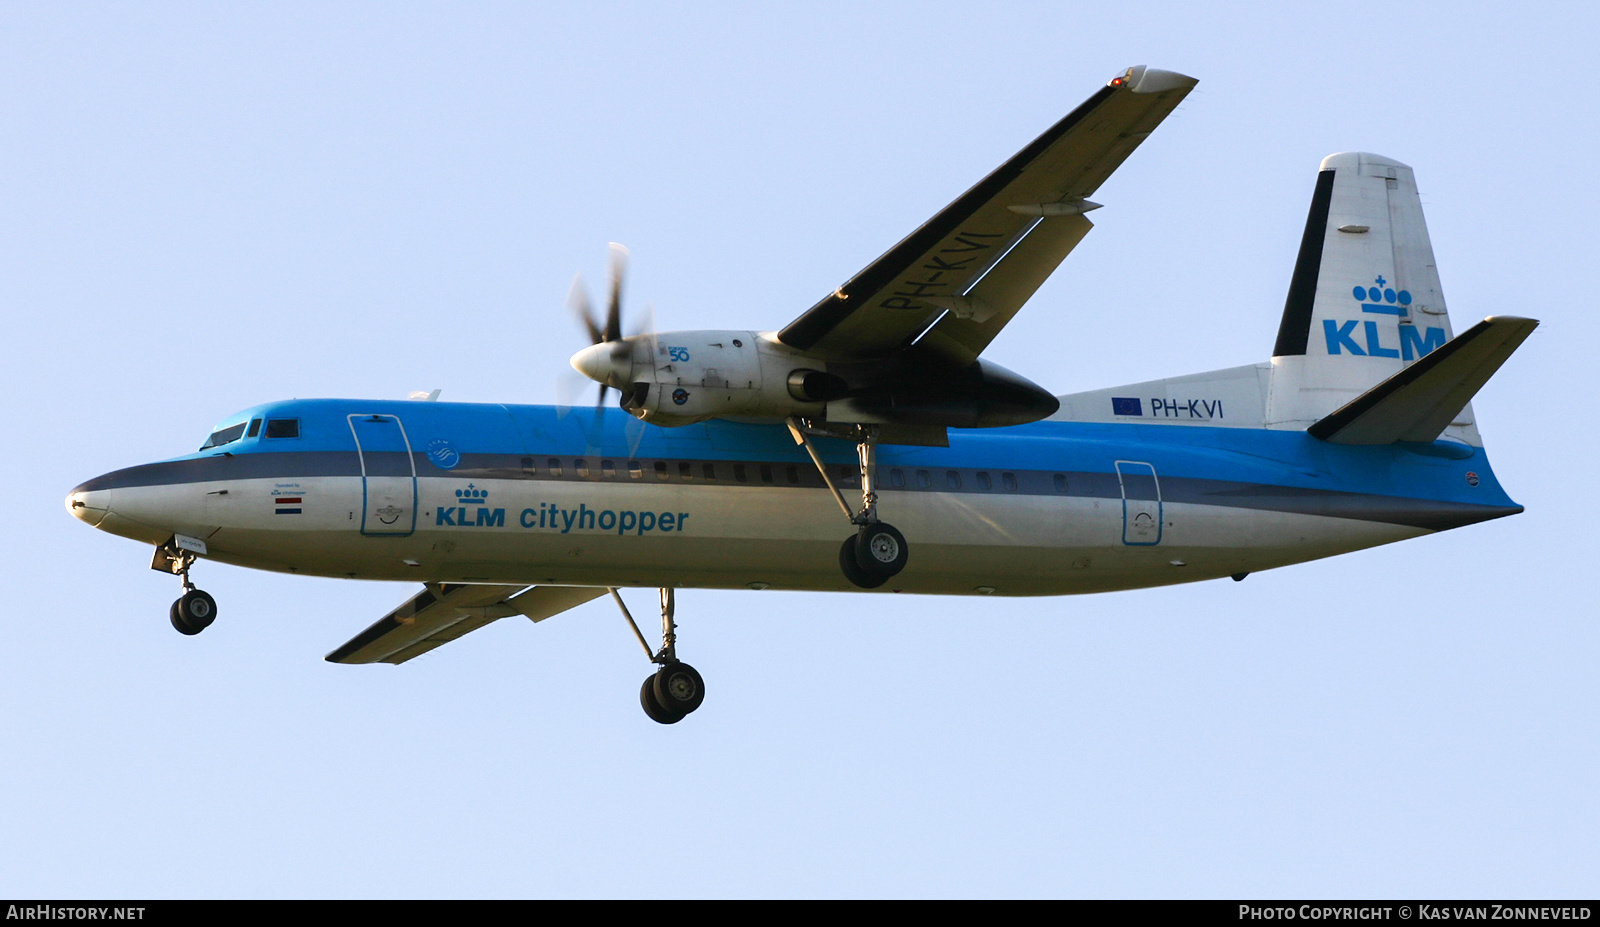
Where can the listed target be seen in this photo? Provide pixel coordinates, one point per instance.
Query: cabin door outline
(1141, 503)
(388, 475)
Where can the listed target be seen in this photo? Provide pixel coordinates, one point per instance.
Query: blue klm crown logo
(1382, 298)
(472, 495)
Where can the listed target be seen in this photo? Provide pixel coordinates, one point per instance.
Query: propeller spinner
(609, 358)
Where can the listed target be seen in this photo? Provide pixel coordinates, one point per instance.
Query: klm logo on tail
(1381, 299)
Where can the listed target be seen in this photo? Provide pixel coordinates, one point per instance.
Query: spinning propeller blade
(609, 332)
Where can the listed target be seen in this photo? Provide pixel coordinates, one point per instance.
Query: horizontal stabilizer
(1419, 402)
(441, 613)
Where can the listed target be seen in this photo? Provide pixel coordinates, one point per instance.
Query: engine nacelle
(679, 378)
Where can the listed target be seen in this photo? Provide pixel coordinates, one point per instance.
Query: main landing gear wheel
(193, 612)
(851, 567)
(678, 688)
(647, 700)
(878, 551)
(881, 550)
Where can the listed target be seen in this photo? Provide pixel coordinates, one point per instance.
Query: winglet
(1419, 402)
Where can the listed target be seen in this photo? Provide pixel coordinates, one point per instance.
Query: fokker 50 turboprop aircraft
(736, 451)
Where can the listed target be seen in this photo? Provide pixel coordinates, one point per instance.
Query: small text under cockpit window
(224, 436)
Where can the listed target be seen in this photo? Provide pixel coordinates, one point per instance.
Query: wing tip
(1141, 79)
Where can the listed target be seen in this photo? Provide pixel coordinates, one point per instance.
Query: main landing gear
(676, 689)
(876, 552)
(194, 611)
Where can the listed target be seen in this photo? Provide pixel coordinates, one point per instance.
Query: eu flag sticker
(1122, 405)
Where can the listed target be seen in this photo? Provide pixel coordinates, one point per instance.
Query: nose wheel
(675, 690)
(194, 611)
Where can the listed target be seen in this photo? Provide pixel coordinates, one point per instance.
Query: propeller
(609, 359)
(610, 332)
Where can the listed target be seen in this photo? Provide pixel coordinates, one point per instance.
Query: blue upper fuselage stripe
(484, 440)
(1432, 514)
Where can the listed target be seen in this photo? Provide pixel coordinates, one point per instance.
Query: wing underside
(958, 279)
(443, 612)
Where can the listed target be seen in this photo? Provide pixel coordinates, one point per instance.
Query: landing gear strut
(194, 611)
(876, 552)
(676, 689)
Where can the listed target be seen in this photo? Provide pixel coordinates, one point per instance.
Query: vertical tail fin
(1364, 301)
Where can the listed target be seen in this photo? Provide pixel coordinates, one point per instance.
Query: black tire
(647, 699)
(178, 623)
(679, 688)
(197, 609)
(881, 550)
(852, 570)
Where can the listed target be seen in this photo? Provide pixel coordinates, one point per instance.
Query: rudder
(1364, 301)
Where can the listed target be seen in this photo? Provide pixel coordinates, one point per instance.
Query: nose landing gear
(194, 611)
(670, 693)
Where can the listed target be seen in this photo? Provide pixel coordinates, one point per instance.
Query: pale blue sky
(206, 206)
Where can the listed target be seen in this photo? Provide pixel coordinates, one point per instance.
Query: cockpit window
(224, 436)
(283, 428)
(255, 428)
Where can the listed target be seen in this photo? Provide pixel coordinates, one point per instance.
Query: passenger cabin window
(224, 436)
(580, 465)
(709, 471)
(897, 478)
(984, 483)
(766, 473)
(685, 470)
(283, 428)
(661, 469)
(608, 469)
(635, 470)
(924, 481)
(952, 478)
(1009, 481)
(554, 466)
(738, 472)
(1061, 482)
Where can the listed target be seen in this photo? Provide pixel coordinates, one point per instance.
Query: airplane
(778, 459)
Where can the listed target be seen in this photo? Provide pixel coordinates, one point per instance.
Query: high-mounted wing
(441, 613)
(974, 264)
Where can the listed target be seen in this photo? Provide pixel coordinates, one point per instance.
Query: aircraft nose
(88, 504)
(610, 363)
